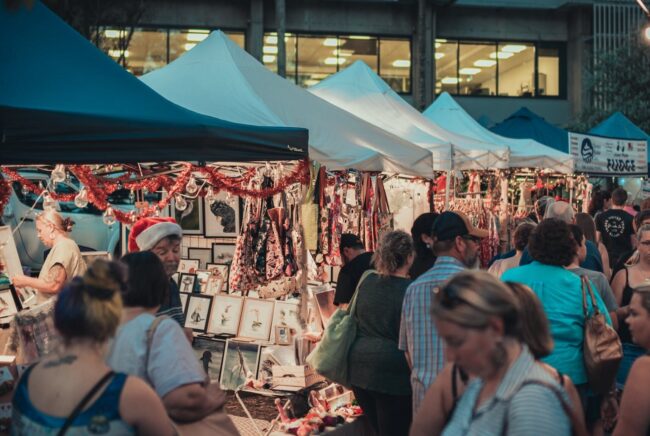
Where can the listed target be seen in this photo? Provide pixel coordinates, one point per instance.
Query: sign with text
(608, 156)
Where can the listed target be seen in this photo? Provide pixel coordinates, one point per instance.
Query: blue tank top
(102, 417)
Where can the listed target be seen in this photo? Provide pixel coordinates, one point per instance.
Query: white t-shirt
(172, 363)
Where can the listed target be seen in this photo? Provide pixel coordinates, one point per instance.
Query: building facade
(493, 56)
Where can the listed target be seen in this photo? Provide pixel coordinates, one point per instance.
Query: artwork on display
(202, 278)
(186, 282)
(222, 218)
(9, 302)
(335, 273)
(239, 363)
(285, 314)
(222, 253)
(256, 319)
(188, 266)
(175, 277)
(184, 298)
(190, 218)
(326, 307)
(90, 256)
(9, 253)
(218, 278)
(198, 312)
(226, 311)
(210, 353)
(204, 256)
(283, 335)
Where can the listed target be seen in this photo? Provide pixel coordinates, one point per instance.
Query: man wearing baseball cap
(163, 237)
(456, 243)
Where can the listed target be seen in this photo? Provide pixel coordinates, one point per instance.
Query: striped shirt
(417, 333)
(518, 407)
(174, 309)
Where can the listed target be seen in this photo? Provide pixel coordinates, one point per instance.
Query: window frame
(561, 46)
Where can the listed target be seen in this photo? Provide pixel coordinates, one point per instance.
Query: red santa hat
(146, 232)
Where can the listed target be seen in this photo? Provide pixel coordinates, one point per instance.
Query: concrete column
(578, 55)
(255, 30)
(423, 65)
(281, 25)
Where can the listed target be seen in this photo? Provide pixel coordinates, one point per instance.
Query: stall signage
(608, 156)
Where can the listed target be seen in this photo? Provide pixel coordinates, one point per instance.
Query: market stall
(525, 124)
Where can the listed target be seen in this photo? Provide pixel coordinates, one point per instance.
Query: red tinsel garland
(99, 188)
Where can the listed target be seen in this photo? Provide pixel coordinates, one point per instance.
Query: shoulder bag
(602, 347)
(330, 357)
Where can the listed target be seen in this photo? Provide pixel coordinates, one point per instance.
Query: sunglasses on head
(449, 297)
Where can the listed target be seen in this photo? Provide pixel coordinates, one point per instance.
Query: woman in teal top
(379, 372)
(86, 314)
(552, 247)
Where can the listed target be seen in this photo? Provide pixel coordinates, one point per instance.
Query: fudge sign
(608, 156)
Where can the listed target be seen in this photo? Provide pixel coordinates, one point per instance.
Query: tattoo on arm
(65, 360)
(56, 274)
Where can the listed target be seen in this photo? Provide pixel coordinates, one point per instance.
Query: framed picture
(210, 353)
(222, 254)
(188, 265)
(204, 256)
(202, 278)
(256, 319)
(286, 314)
(184, 298)
(326, 307)
(335, 274)
(186, 282)
(239, 363)
(175, 277)
(9, 302)
(225, 314)
(198, 312)
(219, 273)
(222, 217)
(190, 218)
(9, 252)
(283, 335)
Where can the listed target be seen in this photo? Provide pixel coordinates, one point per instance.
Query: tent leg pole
(447, 185)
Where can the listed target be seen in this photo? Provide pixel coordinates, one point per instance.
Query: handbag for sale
(330, 357)
(602, 347)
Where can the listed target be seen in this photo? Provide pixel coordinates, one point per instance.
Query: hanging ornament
(145, 191)
(81, 200)
(210, 196)
(191, 186)
(109, 216)
(24, 190)
(48, 202)
(58, 174)
(179, 202)
(131, 196)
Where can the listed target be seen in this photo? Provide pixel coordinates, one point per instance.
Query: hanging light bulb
(145, 191)
(131, 196)
(48, 202)
(191, 186)
(109, 216)
(24, 191)
(210, 196)
(81, 200)
(58, 174)
(179, 202)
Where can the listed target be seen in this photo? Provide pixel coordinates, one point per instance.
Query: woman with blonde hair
(379, 372)
(73, 391)
(63, 262)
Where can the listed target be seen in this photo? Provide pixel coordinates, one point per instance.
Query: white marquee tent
(524, 153)
(360, 91)
(220, 79)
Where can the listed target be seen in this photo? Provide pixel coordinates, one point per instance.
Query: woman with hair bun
(73, 391)
(63, 262)
(379, 372)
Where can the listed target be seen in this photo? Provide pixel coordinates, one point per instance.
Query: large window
(148, 49)
(499, 68)
(311, 58)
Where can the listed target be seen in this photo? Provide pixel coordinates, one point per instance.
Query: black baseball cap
(451, 224)
(350, 240)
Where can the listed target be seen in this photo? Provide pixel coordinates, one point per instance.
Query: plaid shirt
(417, 333)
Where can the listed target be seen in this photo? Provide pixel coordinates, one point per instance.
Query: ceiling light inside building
(501, 55)
(401, 63)
(196, 37)
(513, 48)
(270, 49)
(330, 42)
(334, 61)
(485, 63)
(272, 39)
(450, 80)
(439, 55)
(469, 71)
(116, 53)
(359, 37)
(113, 33)
(198, 31)
(345, 53)
(311, 82)
(268, 59)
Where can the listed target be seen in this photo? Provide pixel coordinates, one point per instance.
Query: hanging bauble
(81, 200)
(58, 174)
(179, 202)
(210, 196)
(131, 196)
(24, 190)
(191, 186)
(48, 202)
(109, 216)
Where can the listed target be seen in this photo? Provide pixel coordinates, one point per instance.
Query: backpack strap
(151, 331)
(353, 301)
(84, 401)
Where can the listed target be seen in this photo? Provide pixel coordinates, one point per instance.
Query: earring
(52, 236)
(428, 245)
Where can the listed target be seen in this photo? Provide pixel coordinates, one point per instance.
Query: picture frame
(256, 319)
(240, 362)
(225, 314)
(188, 265)
(326, 307)
(186, 282)
(202, 278)
(335, 273)
(283, 335)
(210, 353)
(219, 272)
(191, 218)
(9, 302)
(222, 254)
(184, 298)
(203, 255)
(222, 216)
(9, 252)
(175, 277)
(198, 312)
(286, 314)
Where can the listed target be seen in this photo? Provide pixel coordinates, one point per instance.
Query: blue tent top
(619, 126)
(526, 124)
(63, 100)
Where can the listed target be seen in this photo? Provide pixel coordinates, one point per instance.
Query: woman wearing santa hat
(62, 263)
